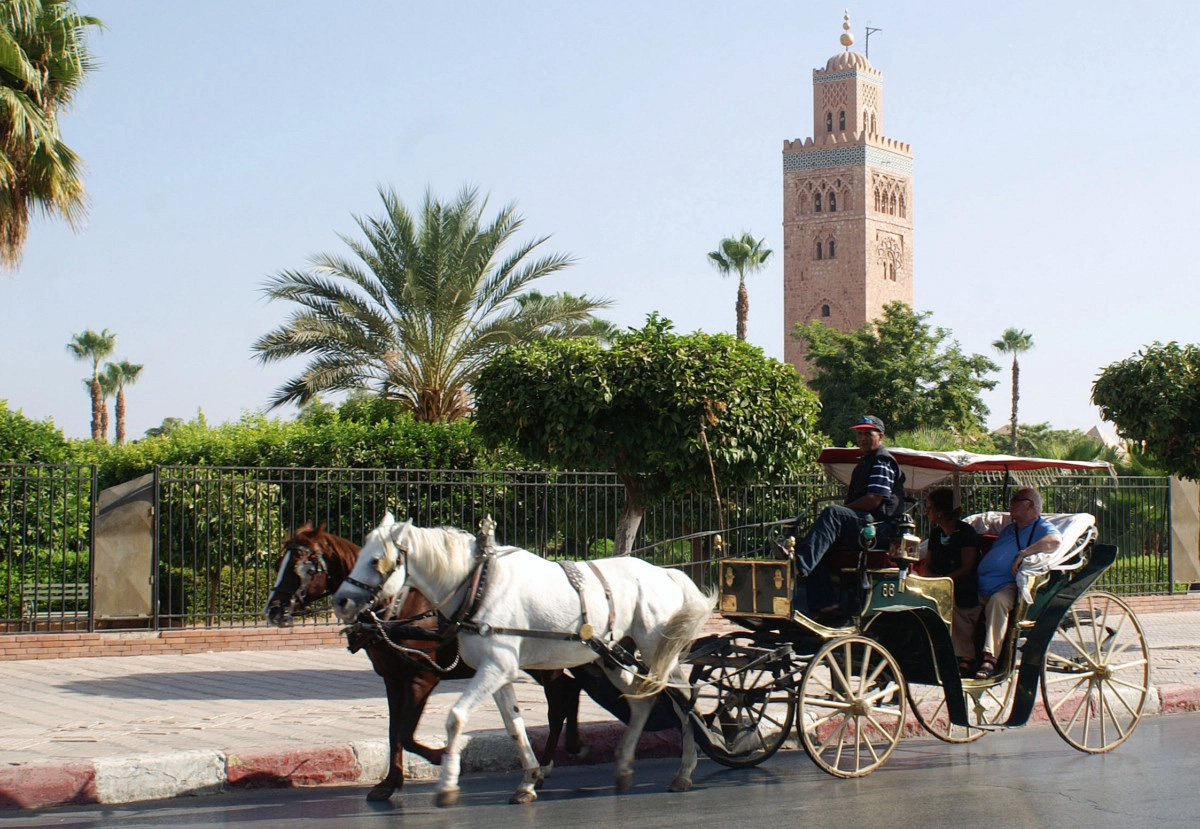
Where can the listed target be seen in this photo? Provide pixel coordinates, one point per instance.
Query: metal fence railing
(46, 520)
(218, 530)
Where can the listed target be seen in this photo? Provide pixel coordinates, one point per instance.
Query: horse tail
(678, 634)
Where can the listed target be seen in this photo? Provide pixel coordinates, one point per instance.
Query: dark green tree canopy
(638, 409)
(900, 368)
(1153, 399)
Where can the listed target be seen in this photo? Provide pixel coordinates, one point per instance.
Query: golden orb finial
(846, 39)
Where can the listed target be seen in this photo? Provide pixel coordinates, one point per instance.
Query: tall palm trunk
(743, 309)
(1016, 371)
(121, 417)
(97, 409)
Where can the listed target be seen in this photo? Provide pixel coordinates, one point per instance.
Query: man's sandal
(987, 669)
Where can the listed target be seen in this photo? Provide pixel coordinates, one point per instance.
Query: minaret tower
(847, 206)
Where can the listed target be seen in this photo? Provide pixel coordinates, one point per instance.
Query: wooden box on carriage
(756, 587)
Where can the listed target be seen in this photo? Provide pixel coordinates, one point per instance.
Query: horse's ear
(320, 527)
(388, 519)
(305, 527)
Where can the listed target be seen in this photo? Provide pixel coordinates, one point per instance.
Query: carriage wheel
(852, 706)
(929, 707)
(747, 703)
(1096, 673)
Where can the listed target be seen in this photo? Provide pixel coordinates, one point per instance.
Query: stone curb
(156, 776)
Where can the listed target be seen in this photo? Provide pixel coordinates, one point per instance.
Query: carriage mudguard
(1049, 608)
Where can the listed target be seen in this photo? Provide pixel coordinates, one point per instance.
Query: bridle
(308, 566)
(374, 590)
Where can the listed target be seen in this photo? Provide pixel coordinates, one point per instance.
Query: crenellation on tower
(848, 206)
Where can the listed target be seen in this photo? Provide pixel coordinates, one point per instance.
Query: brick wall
(187, 640)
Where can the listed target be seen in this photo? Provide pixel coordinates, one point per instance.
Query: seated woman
(954, 552)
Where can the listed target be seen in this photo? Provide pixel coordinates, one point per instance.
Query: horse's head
(303, 574)
(379, 574)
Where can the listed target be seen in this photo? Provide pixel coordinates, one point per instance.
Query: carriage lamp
(905, 549)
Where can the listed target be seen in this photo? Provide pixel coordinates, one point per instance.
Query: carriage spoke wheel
(746, 700)
(929, 707)
(1096, 673)
(851, 706)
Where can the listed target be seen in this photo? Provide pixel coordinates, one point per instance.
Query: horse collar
(476, 591)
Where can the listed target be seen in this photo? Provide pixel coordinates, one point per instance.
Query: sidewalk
(123, 729)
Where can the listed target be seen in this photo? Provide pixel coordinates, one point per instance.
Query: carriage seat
(1078, 529)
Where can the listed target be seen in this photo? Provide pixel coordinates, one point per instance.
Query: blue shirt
(882, 479)
(995, 569)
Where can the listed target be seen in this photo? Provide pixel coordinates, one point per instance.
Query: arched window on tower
(828, 122)
(866, 121)
(892, 205)
(824, 310)
(832, 250)
(873, 130)
(842, 121)
(876, 199)
(820, 251)
(903, 211)
(816, 202)
(833, 202)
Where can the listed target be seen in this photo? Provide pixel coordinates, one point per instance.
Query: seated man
(876, 493)
(1028, 533)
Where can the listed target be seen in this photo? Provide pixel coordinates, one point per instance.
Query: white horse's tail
(680, 631)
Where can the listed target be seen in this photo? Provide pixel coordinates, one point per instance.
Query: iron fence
(46, 545)
(218, 530)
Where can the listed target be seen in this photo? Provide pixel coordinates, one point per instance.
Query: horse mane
(447, 555)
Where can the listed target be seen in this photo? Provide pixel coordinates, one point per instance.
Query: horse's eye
(379, 563)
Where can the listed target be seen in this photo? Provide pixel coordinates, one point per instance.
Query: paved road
(1026, 777)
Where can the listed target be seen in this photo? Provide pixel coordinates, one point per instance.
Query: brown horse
(314, 563)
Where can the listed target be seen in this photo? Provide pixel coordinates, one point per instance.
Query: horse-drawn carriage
(845, 693)
(849, 690)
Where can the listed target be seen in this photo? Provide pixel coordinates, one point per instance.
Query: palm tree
(95, 347)
(1014, 342)
(427, 303)
(43, 62)
(122, 374)
(742, 255)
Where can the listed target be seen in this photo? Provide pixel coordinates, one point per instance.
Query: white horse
(660, 610)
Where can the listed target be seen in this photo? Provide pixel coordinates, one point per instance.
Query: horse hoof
(680, 784)
(446, 797)
(584, 754)
(624, 782)
(382, 791)
(541, 778)
(523, 796)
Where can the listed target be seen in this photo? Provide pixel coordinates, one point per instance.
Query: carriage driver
(876, 493)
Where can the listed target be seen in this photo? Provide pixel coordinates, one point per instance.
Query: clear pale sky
(1055, 186)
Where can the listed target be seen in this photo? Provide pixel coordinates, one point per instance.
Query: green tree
(654, 409)
(1153, 399)
(94, 347)
(43, 62)
(429, 301)
(122, 374)
(900, 368)
(742, 255)
(1014, 342)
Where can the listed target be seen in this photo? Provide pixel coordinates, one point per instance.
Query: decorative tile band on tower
(841, 156)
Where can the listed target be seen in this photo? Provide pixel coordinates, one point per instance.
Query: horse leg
(554, 718)
(487, 681)
(506, 701)
(688, 756)
(420, 686)
(639, 712)
(398, 701)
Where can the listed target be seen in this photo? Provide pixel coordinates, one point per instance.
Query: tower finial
(847, 39)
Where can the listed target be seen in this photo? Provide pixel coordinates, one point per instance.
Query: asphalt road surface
(1021, 778)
